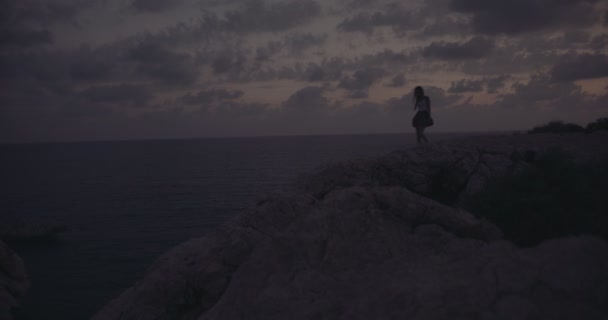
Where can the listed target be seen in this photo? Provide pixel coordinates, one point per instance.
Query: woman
(422, 119)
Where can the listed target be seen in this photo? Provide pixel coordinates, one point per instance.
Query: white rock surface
(358, 243)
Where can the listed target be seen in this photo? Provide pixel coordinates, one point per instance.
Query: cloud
(227, 62)
(398, 81)
(44, 12)
(205, 97)
(495, 83)
(491, 84)
(25, 24)
(259, 16)
(395, 17)
(154, 6)
(234, 109)
(154, 61)
(137, 94)
(24, 37)
(599, 42)
(360, 81)
(266, 52)
(307, 100)
(541, 91)
(464, 85)
(475, 48)
(521, 16)
(573, 67)
(443, 26)
(440, 98)
(298, 43)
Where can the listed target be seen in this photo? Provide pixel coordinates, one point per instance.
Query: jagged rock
(450, 171)
(13, 281)
(361, 241)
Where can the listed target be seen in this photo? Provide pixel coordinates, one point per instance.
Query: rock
(452, 170)
(360, 240)
(13, 281)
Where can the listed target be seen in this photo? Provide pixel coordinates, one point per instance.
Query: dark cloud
(398, 81)
(307, 100)
(205, 97)
(25, 23)
(298, 43)
(580, 66)
(464, 85)
(137, 94)
(521, 16)
(491, 84)
(92, 65)
(440, 98)
(154, 61)
(228, 62)
(507, 60)
(257, 15)
(362, 79)
(295, 44)
(331, 69)
(234, 109)
(495, 83)
(266, 52)
(475, 48)
(154, 6)
(599, 42)
(43, 12)
(444, 26)
(540, 91)
(394, 16)
(23, 37)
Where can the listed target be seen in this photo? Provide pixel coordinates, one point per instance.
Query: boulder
(13, 281)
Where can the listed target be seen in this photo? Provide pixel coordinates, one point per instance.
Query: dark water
(125, 203)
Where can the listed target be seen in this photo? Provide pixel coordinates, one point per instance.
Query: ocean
(124, 203)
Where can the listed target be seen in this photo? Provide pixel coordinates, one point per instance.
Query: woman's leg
(422, 135)
(419, 134)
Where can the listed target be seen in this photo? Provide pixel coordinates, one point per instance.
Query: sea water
(124, 203)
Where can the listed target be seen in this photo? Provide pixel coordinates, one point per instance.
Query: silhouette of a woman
(422, 119)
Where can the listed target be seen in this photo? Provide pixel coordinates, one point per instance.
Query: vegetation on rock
(562, 127)
(557, 127)
(553, 198)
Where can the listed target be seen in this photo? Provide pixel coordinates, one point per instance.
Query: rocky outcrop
(451, 171)
(13, 281)
(362, 241)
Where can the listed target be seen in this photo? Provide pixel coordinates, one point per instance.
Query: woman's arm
(428, 103)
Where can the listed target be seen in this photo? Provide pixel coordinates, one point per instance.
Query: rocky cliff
(383, 239)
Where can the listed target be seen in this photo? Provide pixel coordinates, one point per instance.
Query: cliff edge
(383, 239)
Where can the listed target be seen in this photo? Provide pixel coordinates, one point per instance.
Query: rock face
(361, 241)
(448, 172)
(13, 281)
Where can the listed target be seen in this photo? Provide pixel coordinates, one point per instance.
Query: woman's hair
(418, 94)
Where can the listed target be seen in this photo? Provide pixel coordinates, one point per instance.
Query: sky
(77, 70)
